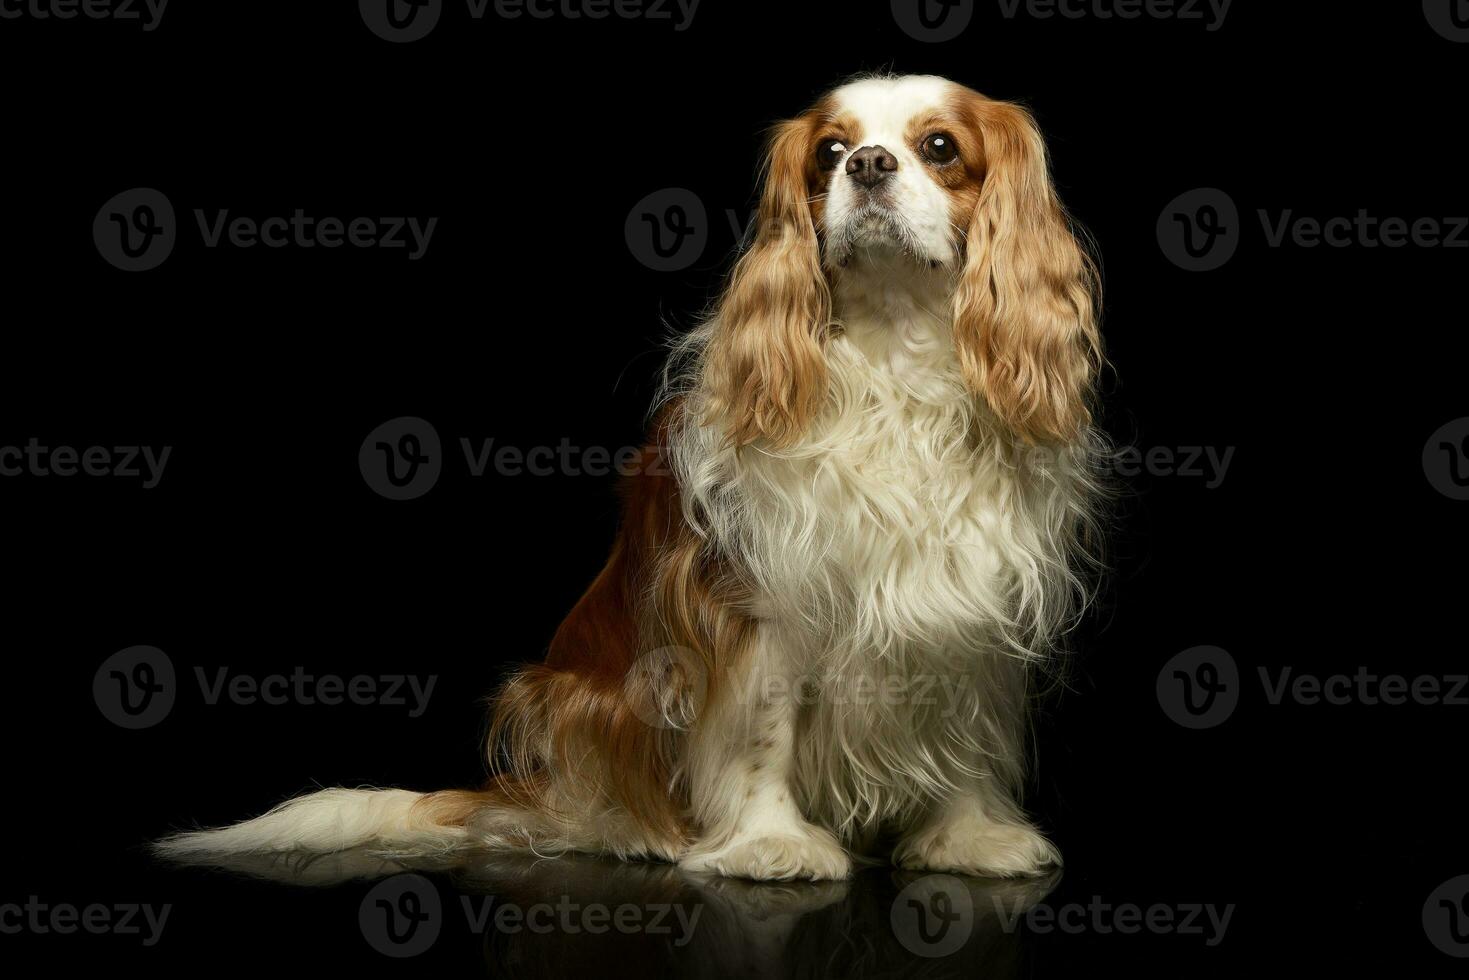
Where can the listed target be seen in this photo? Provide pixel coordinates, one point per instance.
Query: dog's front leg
(981, 830)
(741, 764)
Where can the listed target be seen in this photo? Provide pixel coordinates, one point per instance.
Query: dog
(863, 525)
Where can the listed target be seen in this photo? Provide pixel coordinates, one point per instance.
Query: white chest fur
(898, 520)
(907, 555)
(886, 526)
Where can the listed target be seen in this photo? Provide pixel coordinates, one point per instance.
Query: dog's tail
(394, 822)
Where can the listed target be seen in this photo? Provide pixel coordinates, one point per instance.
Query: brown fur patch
(765, 366)
(1025, 311)
(572, 719)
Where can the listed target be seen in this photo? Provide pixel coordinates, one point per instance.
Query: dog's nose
(870, 165)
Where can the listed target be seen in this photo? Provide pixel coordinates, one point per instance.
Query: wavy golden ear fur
(1025, 309)
(764, 367)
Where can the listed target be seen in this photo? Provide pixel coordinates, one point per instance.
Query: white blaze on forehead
(885, 106)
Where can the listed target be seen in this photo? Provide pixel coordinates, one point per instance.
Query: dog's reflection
(551, 916)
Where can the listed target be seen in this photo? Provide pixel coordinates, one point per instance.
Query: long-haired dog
(820, 623)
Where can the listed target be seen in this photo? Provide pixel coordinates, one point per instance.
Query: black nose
(870, 165)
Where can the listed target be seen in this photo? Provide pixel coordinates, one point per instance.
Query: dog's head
(929, 172)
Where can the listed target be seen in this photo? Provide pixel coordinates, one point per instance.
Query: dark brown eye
(940, 148)
(829, 152)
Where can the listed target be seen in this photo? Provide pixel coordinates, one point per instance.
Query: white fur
(904, 546)
(329, 820)
(907, 544)
(740, 767)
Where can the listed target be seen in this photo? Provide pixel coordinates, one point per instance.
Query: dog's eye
(829, 152)
(939, 148)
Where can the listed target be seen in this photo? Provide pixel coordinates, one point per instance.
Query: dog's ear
(1025, 310)
(765, 366)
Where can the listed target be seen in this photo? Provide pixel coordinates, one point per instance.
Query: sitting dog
(822, 619)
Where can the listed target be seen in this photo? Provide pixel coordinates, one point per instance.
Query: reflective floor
(517, 915)
(552, 917)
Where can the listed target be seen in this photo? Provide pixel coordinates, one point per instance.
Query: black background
(530, 321)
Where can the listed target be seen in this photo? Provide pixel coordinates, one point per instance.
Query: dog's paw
(811, 854)
(997, 850)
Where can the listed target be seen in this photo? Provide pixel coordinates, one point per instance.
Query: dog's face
(941, 176)
(897, 167)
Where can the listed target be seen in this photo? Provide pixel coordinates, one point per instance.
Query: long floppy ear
(764, 367)
(1025, 310)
